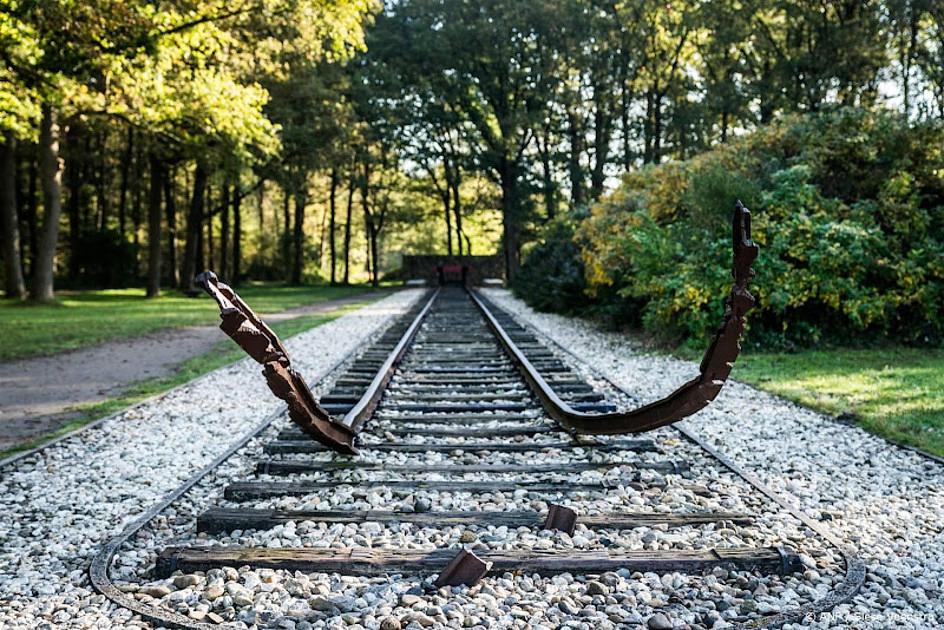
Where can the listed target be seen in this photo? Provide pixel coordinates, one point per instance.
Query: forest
(316, 140)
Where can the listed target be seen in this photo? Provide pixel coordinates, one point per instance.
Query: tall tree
(486, 60)
(332, 206)
(50, 173)
(9, 221)
(155, 193)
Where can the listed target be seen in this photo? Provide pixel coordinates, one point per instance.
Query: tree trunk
(508, 174)
(375, 258)
(368, 225)
(575, 131)
(286, 226)
(14, 285)
(332, 205)
(347, 231)
(237, 236)
(647, 130)
(457, 208)
(447, 212)
(657, 129)
(31, 206)
(102, 181)
(170, 211)
(125, 173)
(548, 187)
(224, 232)
(298, 235)
(50, 172)
(367, 257)
(74, 179)
(601, 142)
(625, 105)
(193, 243)
(201, 252)
(154, 226)
(136, 195)
(321, 236)
(209, 229)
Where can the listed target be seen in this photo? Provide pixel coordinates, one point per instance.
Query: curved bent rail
(692, 396)
(261, 343)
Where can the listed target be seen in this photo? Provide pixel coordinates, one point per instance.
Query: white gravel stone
(903, 589)
(58, 506)
(887, 502)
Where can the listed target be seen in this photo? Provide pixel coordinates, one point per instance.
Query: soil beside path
(37, 394)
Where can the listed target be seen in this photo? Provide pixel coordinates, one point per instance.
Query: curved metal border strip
(855, 566)
(98, 570)
(687, 399)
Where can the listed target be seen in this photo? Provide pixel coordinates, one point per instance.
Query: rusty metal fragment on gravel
(561, 518)
(466, 569)
(262, 344)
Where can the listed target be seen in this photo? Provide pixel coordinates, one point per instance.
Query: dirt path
(37, 393)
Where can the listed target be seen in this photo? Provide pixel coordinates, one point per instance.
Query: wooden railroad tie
(217, 520)
(379, 562)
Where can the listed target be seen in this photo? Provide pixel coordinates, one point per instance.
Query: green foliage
(552, 276)
(848, 209)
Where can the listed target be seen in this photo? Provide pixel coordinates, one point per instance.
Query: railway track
(457, 424)
(465, 470)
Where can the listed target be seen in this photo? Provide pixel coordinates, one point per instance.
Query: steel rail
(855, 571)
(854, 565)
(358, 415)
(689, 398)
(98, 570)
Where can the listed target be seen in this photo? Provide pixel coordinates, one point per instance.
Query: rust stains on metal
(692, 396)
(561, 518)
(262, 344)
(466, 569)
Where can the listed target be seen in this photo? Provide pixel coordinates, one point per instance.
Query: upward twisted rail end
(262, 344)
(692, 396)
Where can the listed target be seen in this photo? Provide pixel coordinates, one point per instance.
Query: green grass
(84, 318)
(896, 392)
(224, 353)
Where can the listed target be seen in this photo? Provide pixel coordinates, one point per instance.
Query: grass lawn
(897, 392)
(224, 353)
(84, 318)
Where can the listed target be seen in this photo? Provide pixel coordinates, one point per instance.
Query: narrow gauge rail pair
(458, 378)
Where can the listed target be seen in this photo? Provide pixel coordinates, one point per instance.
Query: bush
(552, 275)
(848, 209)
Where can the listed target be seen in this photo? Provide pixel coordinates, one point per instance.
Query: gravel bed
(885, 501)
(43, 584)
(281, 599)
(56, 507)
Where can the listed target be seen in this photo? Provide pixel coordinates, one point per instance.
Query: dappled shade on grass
(897, 392)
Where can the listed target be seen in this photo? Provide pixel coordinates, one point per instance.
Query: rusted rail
(260, 342)
(456, 374)
(692, 396)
